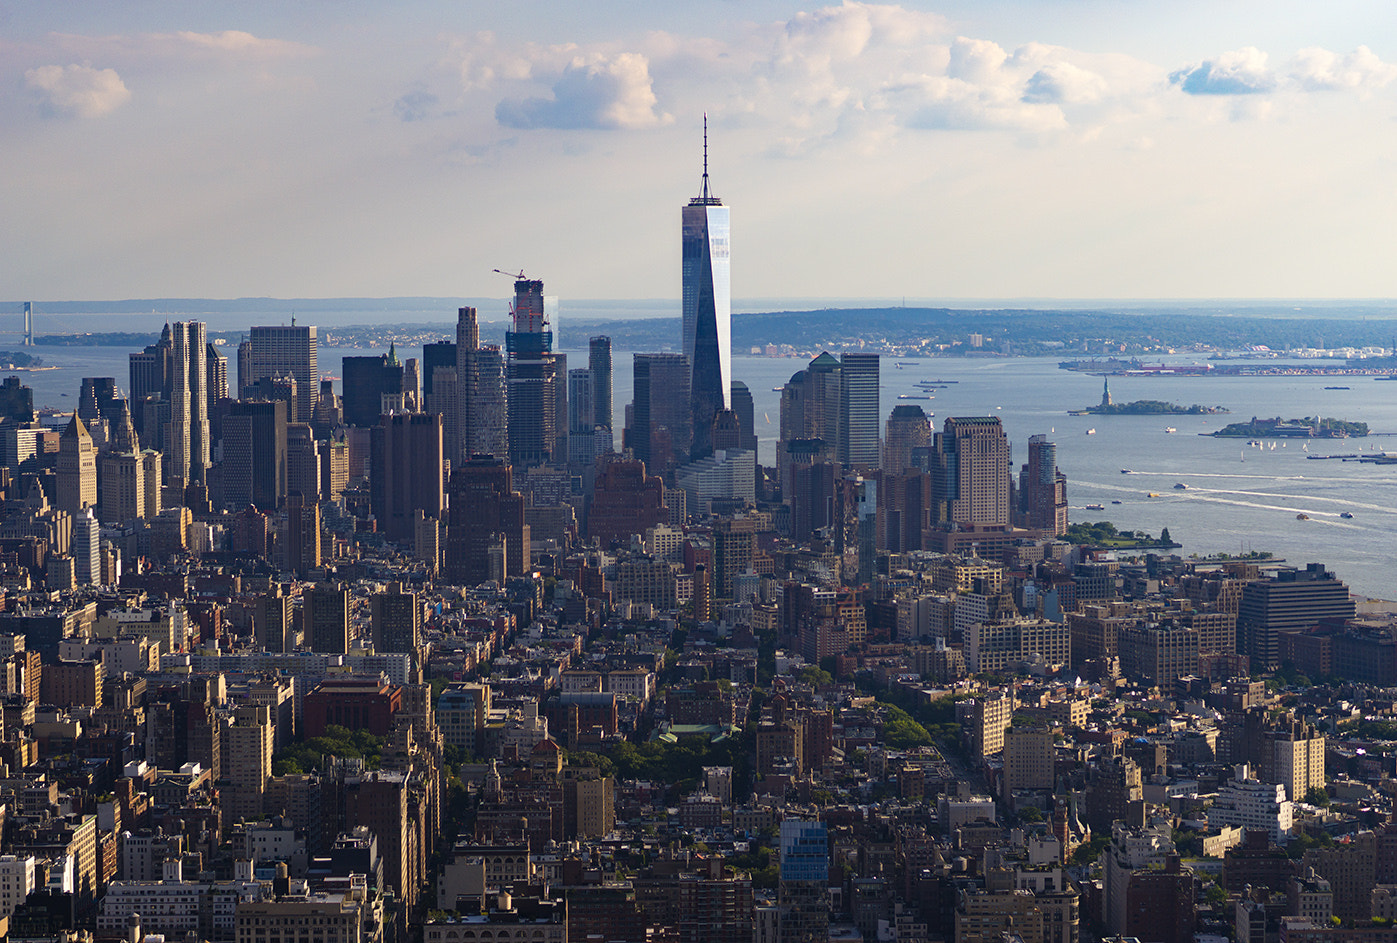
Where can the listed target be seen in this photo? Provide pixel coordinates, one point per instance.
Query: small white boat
(1170, 429)
(1091, 432)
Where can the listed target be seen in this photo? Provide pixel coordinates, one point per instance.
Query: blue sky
(986, 149)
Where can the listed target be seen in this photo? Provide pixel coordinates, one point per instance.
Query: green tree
(1317, 796)
(1164, 537)
(901, 732)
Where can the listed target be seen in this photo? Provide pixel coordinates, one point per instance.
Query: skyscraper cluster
(829, 413)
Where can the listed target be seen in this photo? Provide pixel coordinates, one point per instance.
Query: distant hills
(1131, 328)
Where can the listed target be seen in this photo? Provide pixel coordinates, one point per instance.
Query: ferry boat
(1096, 507)
(1152, 494)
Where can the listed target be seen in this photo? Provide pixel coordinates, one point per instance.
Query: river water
(1238, 498)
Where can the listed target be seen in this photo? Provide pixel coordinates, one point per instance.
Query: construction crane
(518, 278)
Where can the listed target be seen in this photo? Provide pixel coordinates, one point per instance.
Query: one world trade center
(707, 309)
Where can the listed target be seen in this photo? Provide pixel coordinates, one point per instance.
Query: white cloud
(1240, 72)
(951, 104)
(78, 90)
(480, 61)
(237, 43)
(843, 33)
(976, 60)
(188, 45)
(1318, 69)
(1064, 83)
(599, 91)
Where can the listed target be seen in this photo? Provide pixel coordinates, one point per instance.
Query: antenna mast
(705, 156)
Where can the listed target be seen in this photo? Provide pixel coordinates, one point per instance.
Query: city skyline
(933, 150)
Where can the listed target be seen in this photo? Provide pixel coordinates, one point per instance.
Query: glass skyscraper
(707, 309)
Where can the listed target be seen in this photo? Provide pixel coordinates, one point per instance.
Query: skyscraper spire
(705, 197)
(705, 193)
(707, 307)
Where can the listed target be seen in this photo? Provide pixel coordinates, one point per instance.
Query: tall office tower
(599, 363)
(87, 548)
(707, 308)
(582, 403)
(124, 486)
(153, 475)
(582, 427)
(325, 617)
(367, 380)
(96, 398)
(412, 385)
(532, 379)
(273, 621)
(811, 494)
(809, 411)
(217, 366)
(1042, 488)
(397, 620)
(803, 890)
(560, 413)
(327, 413)
(302, 534)
(1292, 600)
(908, 429)
(188, 448)
(288, 350)
(248, 748)
(154, 426)
(281, 388)
(254, 455)
(858, 411)
(486, 537)
(16, 401)
(244, 376)
(406, 471)
(438, 354)
(746, 412)
(150, 376)
(302, 462)
(77, 469)
(334, 467)
(439, 394)
(661, 434)
(482, 392)
(971, 479)
(904, 504)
